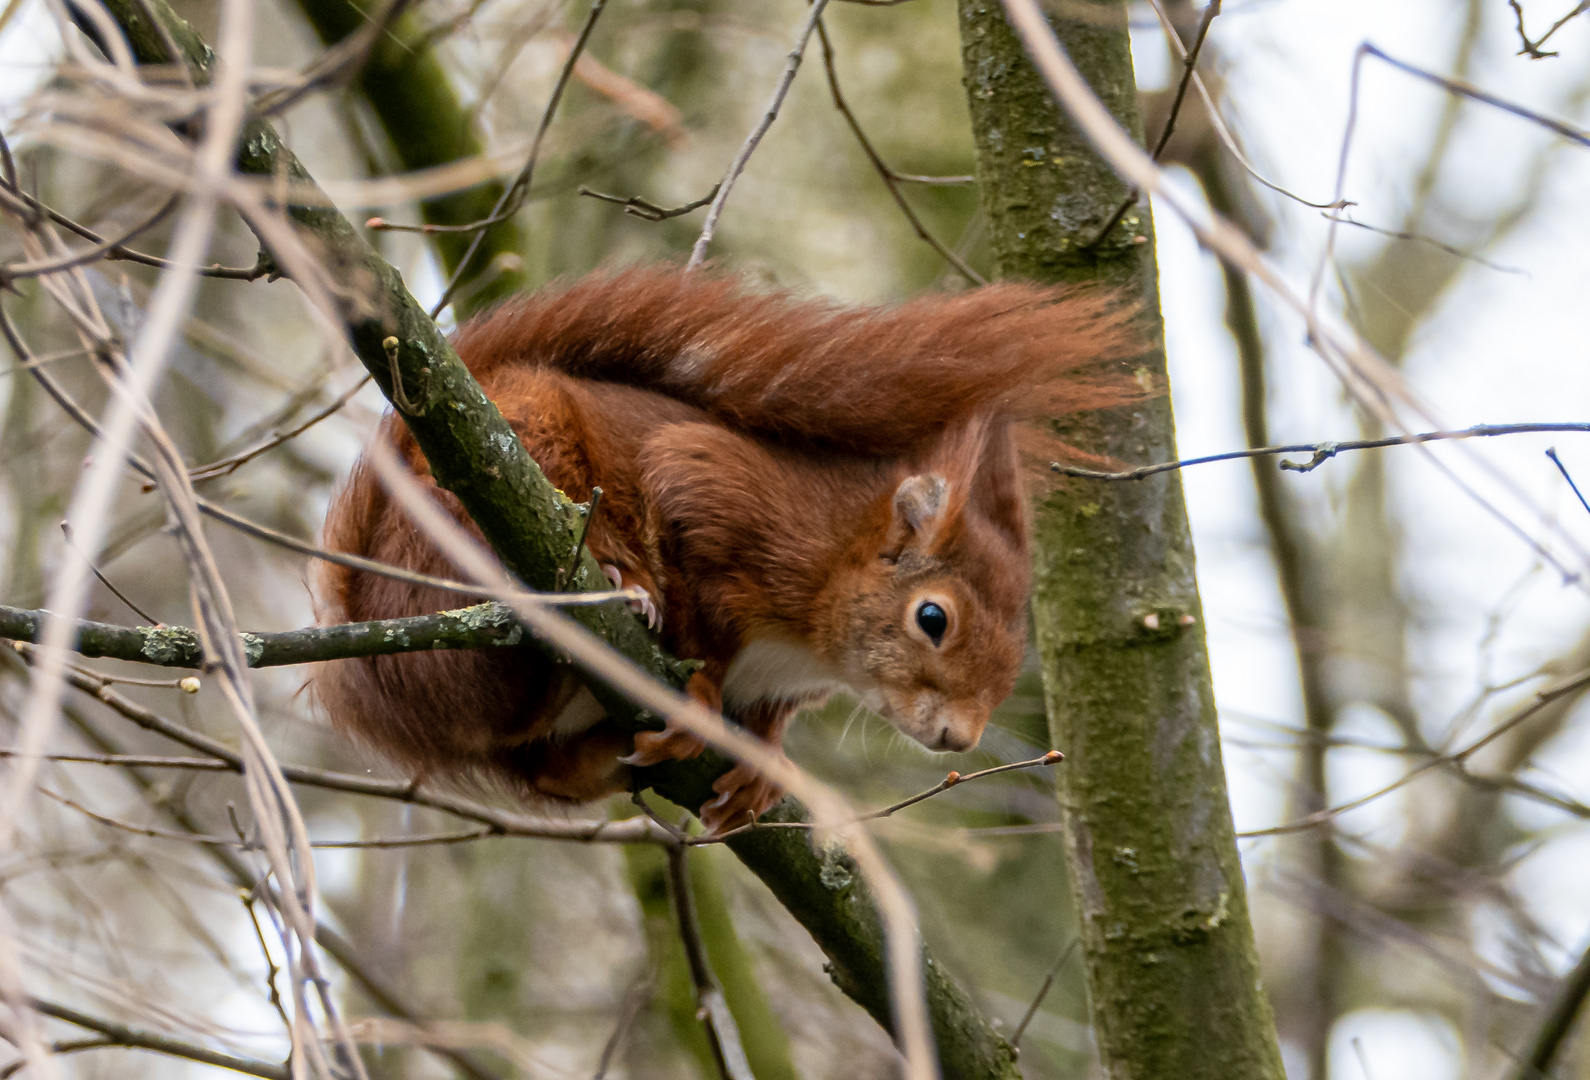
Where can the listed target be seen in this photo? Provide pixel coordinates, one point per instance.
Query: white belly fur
(777, 669)
(580, 714)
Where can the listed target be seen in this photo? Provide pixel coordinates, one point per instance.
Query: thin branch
(1531, 49)
(1469, 90)
(953, 779)
(711, 1009)
(482, 626)
(698, 253)
(272, 969)
(132, 1038)
(1321, 451)
(337, 63)
(228, 466)
(118, 253)
(1551, 452)
(1558, 1022)
(650, 211)
(567, 573)
(1218, 122)
(66, 532)
(64, 1046)
(891, 179)
(499, 822)
(1189, 65)
(1342, 218)
(1457, 760)
(513, 198)
(1043, 992)
(20, 271)
(633, 1002)
(156, 833)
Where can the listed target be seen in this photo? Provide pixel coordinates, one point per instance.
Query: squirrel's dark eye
(931, 618)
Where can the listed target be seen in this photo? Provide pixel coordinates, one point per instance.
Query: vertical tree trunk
(1172, 967)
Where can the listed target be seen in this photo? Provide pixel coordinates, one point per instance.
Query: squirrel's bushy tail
(873, 381)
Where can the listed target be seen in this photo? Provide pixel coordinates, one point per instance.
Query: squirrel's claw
(672, 743)
(644, 605)
(744, 795)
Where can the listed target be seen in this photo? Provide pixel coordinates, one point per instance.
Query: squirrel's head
(935, 619)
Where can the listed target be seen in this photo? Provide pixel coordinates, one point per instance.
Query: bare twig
(891, 179)
(628, 1010)
(230, 465)
(272, 969)
(1551, 452)
(1189, 65)
(1531, 49)
(66, 531)
(499, 822)
(1366, 375)
(722, 1033)
(337, 63)
(513, 197)
(953, 779)
(244, 844)
(122, 1035)
(117, 252)
(1398, 234)
(1457, 760)
(1468, 90)
(567, 573)
(57, 1048)
(1321, 452)
(19, 271)
(1227, 139)
(1557, 1024)
(650, 211)
(1043, 992)
(698, 253)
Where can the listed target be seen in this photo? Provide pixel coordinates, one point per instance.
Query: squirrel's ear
(919, 505)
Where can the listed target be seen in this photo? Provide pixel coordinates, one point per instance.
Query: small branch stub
(391, 345)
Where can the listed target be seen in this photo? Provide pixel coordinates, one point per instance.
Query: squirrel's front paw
(644, 605)
(674, 742)
(744, 795)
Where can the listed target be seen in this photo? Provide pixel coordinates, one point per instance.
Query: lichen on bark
(1172, 968)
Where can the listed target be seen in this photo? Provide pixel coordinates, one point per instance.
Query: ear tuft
(919, 504)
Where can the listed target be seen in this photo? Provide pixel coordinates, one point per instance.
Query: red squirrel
(813, 497)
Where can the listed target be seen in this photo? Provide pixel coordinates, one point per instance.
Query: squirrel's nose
(951, 738)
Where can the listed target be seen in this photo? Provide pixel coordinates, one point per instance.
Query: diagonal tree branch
(133, 1038)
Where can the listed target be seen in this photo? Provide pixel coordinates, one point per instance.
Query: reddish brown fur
(804, 476)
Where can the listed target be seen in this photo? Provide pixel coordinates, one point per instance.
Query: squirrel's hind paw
(744, 795)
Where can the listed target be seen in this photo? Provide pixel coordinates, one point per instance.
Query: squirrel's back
(874, 381)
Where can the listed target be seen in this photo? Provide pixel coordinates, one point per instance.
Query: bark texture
(1172, 968)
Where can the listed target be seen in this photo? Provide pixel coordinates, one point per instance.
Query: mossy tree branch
(532, 527)
(477, 627)
(1172, 968)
